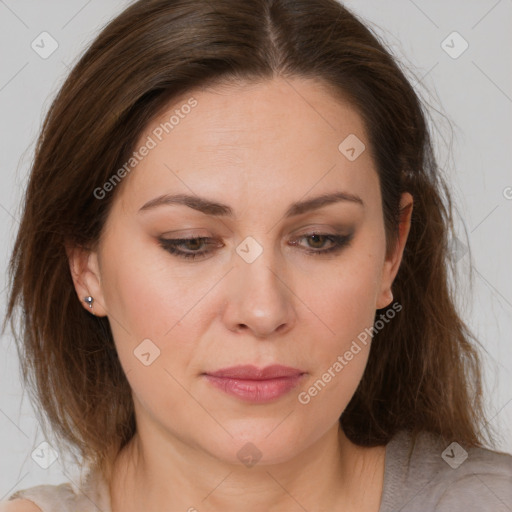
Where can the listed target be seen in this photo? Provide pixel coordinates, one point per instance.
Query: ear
(85, 272)
(393, 260)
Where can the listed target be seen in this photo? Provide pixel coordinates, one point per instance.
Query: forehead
(280, 135)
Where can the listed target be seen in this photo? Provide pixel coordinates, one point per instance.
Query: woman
(237, 208)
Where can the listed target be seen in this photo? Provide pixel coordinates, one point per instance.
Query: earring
(89, 300)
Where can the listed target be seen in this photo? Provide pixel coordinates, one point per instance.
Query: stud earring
(89, 300)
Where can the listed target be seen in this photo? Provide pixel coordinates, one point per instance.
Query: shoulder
(482, 482)
(445, 477)
(89, 495)
(19, 505)
(44, 497)
(433, 456)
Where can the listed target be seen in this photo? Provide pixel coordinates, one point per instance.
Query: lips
(253, 384)
(250, 372)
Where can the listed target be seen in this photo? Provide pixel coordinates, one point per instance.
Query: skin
(257, 148)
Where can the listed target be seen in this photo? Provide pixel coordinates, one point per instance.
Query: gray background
(470, 94)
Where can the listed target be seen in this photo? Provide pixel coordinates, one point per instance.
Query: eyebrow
(209, 207)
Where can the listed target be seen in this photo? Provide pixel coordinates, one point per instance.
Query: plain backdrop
(458, 57)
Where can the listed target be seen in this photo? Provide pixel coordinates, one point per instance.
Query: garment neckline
(97, 490)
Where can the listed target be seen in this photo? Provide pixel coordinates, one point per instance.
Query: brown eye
(318, 240)
(192, 246)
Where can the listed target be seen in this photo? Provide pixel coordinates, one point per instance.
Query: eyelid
(335, 228)
(309, 230)
(339, 242)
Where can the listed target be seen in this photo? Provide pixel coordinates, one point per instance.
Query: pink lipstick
(258, 385)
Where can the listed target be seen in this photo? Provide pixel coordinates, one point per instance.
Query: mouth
(257, 385)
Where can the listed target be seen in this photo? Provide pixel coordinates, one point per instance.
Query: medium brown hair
(423, 371)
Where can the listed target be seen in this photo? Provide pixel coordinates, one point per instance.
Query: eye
(173, 245)
(198, 247)
(337, 242)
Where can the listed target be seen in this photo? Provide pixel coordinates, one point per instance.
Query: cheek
(153, 335)
(344, 305)
(155, 315)
(143, 294)
(340, 353)
(344, 298)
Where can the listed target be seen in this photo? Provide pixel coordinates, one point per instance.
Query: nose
(260, 301)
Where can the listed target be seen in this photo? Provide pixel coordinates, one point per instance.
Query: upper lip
(251, 372)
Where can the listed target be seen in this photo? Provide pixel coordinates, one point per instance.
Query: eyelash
(170, 245)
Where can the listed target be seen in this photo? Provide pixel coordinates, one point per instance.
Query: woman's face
(263, 289)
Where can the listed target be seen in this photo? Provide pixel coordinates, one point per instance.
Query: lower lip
(258, 391)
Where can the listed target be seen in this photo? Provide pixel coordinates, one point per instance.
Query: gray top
(445, 478)
(439, 478)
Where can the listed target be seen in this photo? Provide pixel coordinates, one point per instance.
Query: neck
(151, 473)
